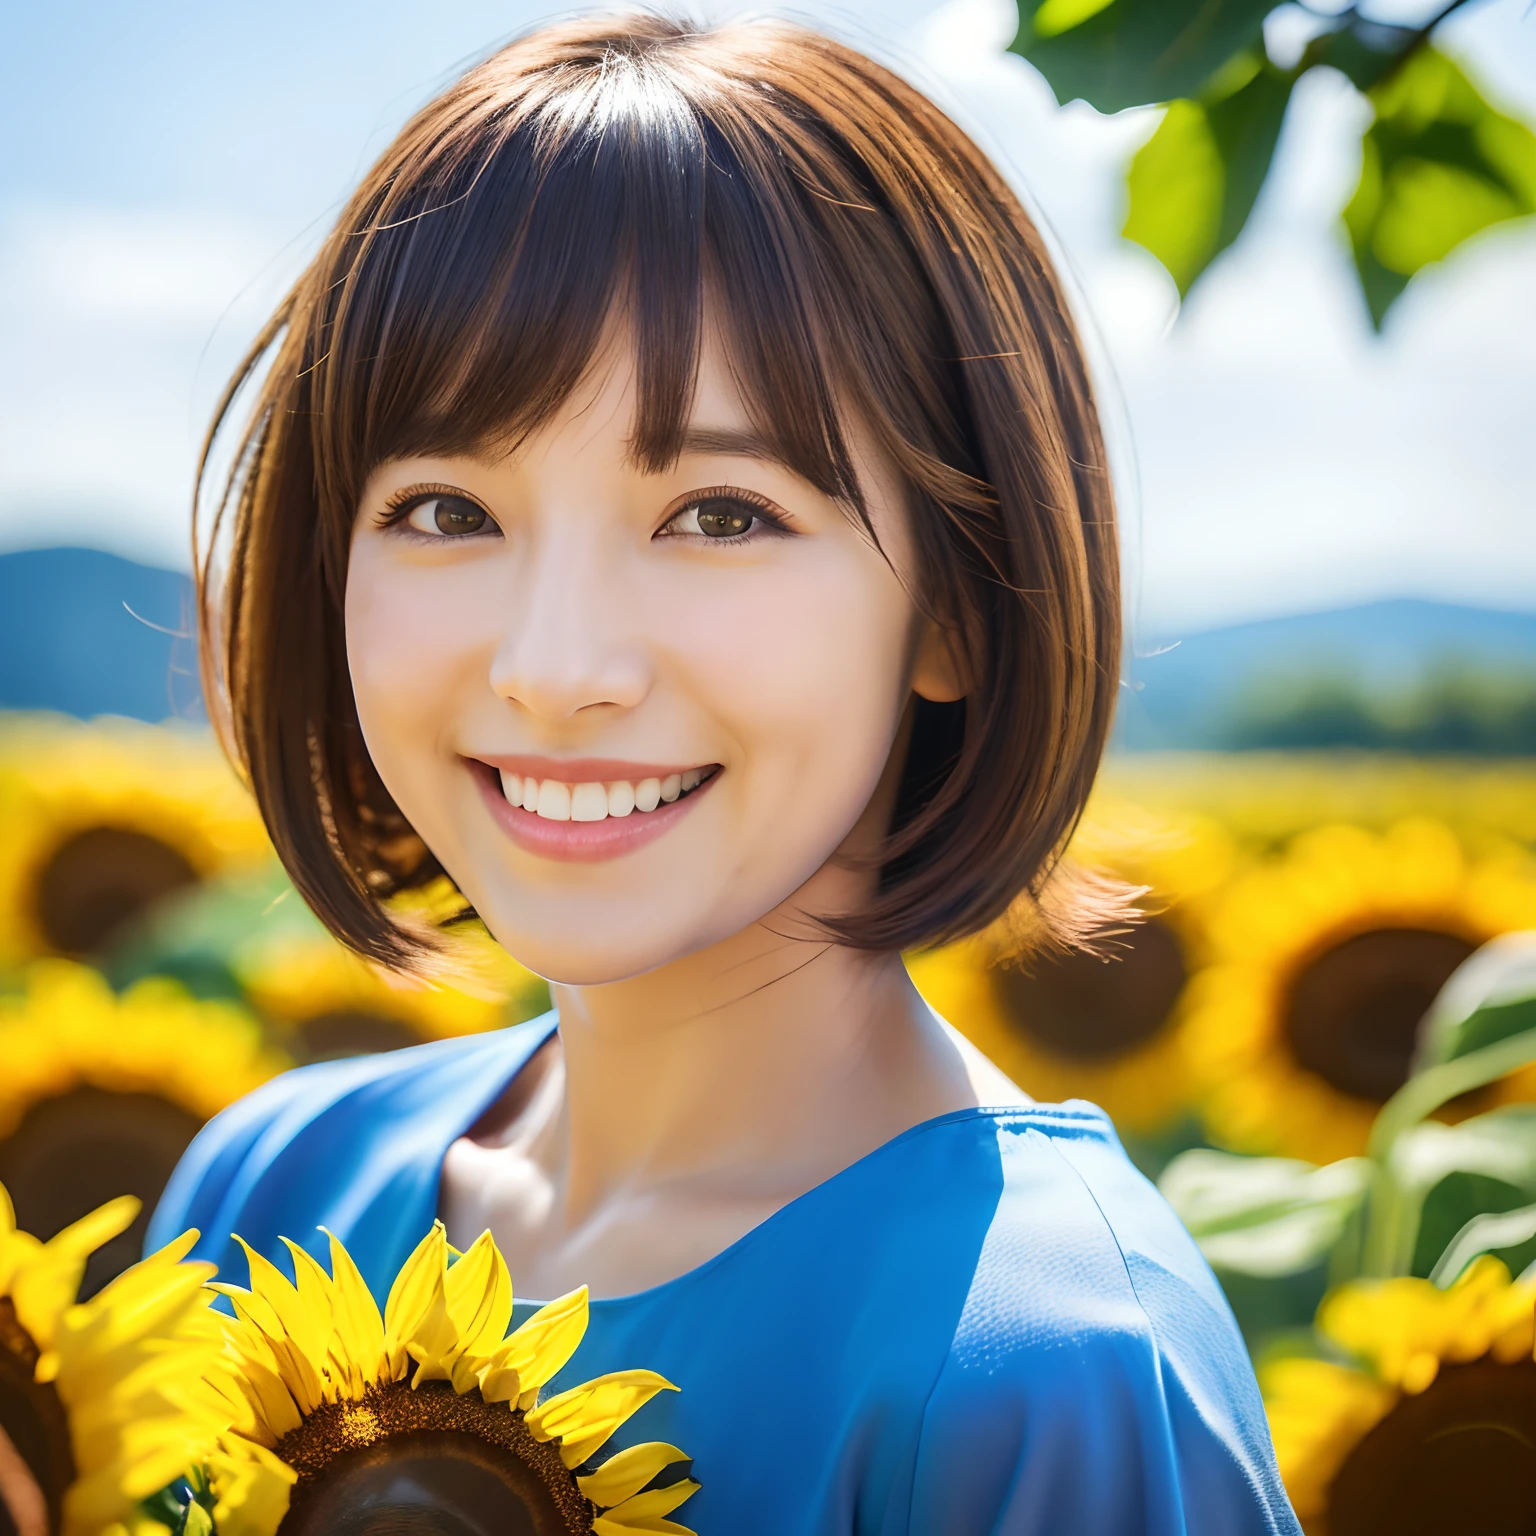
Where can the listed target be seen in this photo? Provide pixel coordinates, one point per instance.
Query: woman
(675, 509)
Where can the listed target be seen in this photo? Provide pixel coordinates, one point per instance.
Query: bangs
(475, 297)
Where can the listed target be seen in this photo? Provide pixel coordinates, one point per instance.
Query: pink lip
(579, 842)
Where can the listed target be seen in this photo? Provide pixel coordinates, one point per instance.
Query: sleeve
(1095, 1387)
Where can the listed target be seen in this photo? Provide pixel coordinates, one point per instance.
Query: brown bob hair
(866, 262)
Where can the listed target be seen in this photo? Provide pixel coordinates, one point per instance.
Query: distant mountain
(1319, 679)
(84, 632)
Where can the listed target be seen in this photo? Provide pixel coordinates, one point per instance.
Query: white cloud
(121, 329)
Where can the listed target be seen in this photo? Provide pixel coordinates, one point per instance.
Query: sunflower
(102, 1403)
(1433, 1430)
(327, 1001)
(335, 1408)
(1323, 961)
(98, 822)
(100, 1094)
(1081, 1025)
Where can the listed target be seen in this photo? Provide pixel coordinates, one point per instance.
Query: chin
(620, 953)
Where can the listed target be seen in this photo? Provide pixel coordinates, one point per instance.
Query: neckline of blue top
(1074, 1114)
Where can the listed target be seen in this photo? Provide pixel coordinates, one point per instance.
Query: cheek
(408, 641)
(807, 675)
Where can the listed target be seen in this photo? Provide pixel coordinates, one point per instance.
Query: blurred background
(1301, 244)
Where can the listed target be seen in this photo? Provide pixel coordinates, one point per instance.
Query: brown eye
(451, 515)
(719, 517)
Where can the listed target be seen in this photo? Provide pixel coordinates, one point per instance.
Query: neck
(766, 1062)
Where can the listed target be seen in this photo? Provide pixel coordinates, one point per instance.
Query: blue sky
(171, 166)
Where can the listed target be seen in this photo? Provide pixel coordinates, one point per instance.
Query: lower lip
(581, 842)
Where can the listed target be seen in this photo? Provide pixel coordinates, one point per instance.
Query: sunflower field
(1320, 1041)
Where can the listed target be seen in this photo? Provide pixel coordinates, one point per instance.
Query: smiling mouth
(556, 800)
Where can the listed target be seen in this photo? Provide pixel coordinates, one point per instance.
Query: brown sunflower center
(1353, 1012)
(1088, 1009)
(328, 1036)
(36, 1463)
(431, 1462)
(1460, 1456)
(73, 1153)
(99, 880)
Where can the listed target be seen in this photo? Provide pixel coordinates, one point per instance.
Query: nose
(571, 642)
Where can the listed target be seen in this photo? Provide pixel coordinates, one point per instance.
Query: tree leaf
(1263, 1216)
(1490, 997)
(1438, 166)
(1128, 53)
(1193, 184)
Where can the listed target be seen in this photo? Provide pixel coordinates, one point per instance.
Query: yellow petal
(644, 1510)
(416, 1321)
(624, 1475)
(605, 1525)
(316, 1292)
(417, 1290)
(82, 1238)
(359, 1327)
(583, 1418)
(306, 1318)
(251, 1488)
(500, 1383)
(542, 1346)
(17, 1250)
(479, 1295)
(47, 1287)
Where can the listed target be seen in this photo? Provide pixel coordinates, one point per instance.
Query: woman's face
(630, 713)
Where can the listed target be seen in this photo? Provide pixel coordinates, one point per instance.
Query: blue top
(992, 1324)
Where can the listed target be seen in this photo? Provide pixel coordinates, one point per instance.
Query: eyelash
(769, 521)
(399, 506)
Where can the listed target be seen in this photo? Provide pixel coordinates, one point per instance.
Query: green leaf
(1457, 1201)
(1263, 1216)
(1438, 166)
(1130, 53)
(1509, 1235)
(1490, 997)
(1177, 185)
(1440, 1176)
(1193, 184)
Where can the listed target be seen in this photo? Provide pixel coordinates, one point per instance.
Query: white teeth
(554, 800)
(589, 802)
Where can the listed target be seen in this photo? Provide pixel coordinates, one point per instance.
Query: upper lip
(582, 770)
